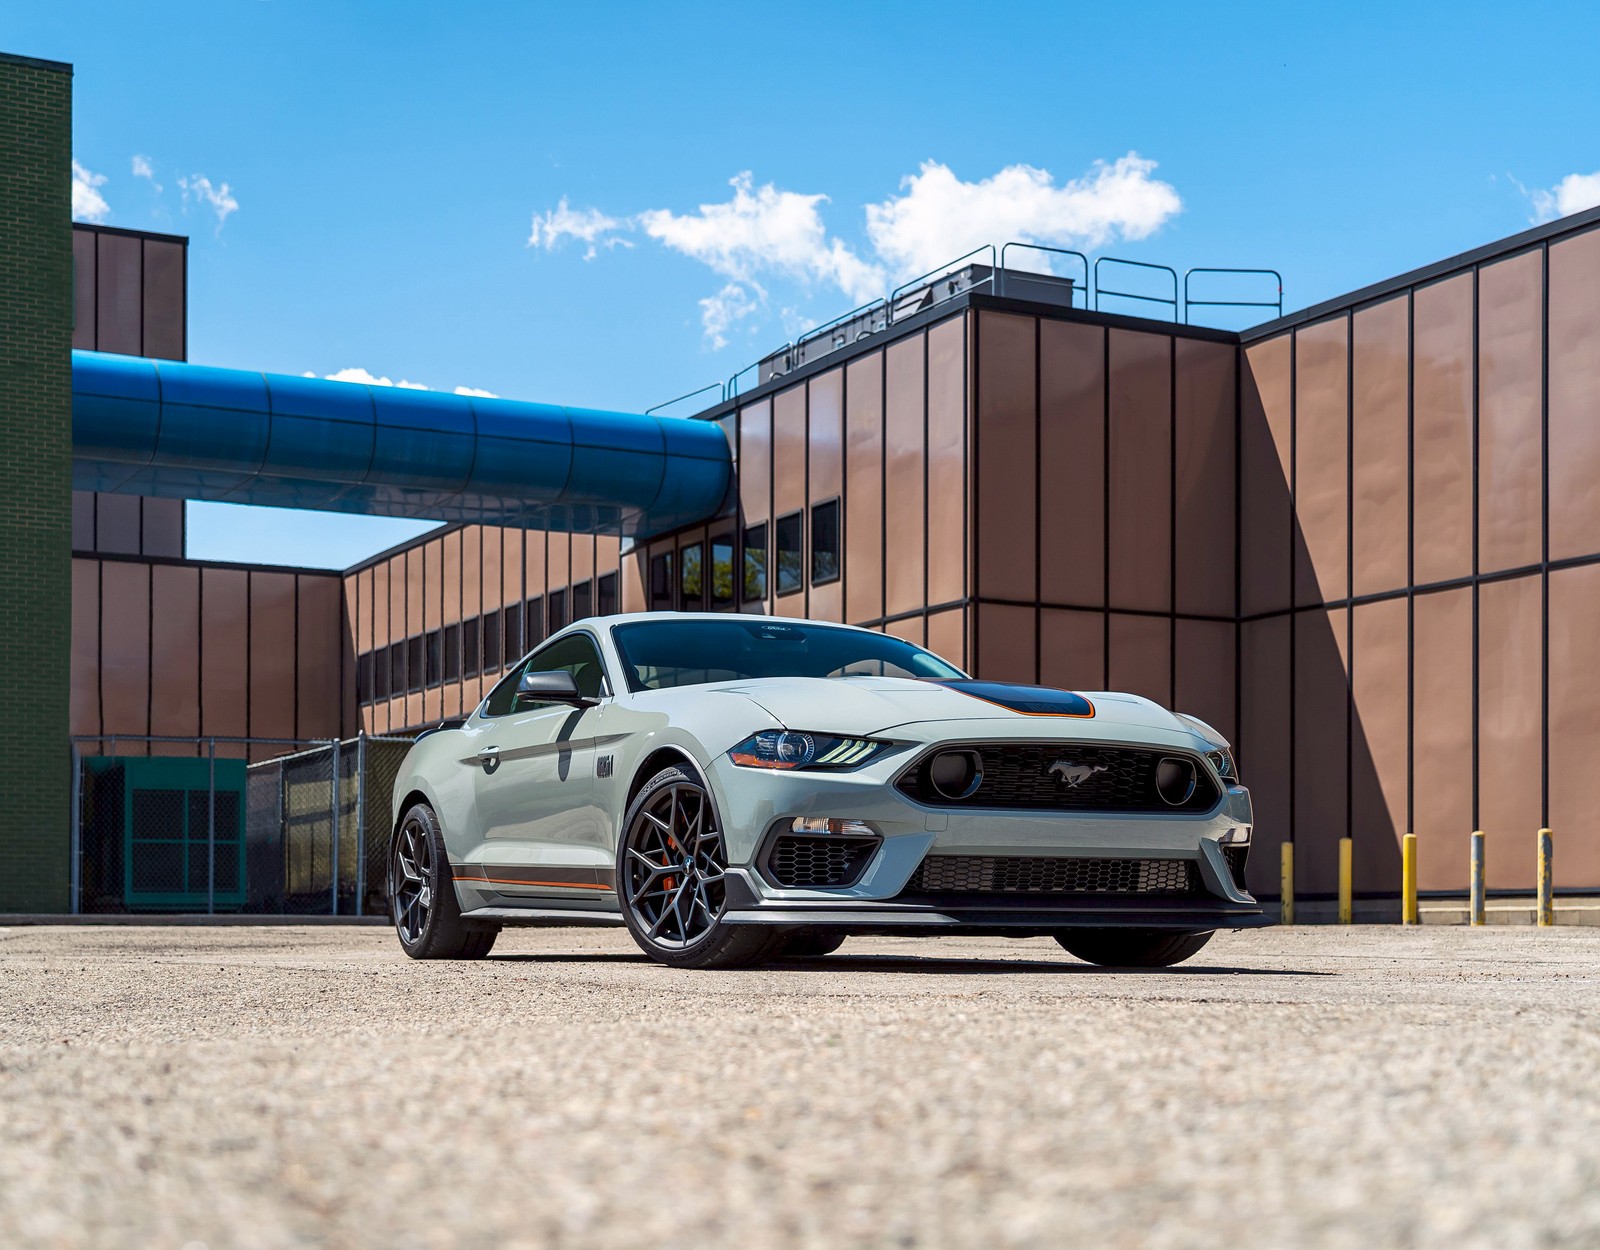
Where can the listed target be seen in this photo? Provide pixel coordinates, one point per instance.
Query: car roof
(625, 618)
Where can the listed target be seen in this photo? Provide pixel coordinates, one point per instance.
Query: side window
(576, 653)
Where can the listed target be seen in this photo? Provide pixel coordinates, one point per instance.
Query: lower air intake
(801, 861)
(1000, 874)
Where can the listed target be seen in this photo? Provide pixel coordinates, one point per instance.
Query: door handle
(489, 756)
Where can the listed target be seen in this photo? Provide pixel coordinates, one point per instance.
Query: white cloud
(358, 374)
(219, 197)
(87, 202)
(143, 168)
(765, 230)
(719, 313)
(367, 378)
(939, 216)
(1572, 194)
(589, 225)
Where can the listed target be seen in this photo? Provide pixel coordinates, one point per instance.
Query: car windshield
(659, 654)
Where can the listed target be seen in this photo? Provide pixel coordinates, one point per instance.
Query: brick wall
(35, 480)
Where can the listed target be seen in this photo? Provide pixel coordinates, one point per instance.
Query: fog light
(1236, 837)
(823, 824)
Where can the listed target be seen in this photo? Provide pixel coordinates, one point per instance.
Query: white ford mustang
(734, 788)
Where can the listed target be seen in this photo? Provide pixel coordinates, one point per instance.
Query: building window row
(484, 644)
(691, 580)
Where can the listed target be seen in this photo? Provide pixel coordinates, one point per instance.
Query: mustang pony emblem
(1076, 774)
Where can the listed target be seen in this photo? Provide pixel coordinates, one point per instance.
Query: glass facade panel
(722, 571)
(755, 564)
(791, 554)
(825, 542)
(692, 582)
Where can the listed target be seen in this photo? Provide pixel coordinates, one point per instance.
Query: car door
(535, 778)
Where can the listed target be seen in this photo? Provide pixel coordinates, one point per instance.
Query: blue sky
(380, 187)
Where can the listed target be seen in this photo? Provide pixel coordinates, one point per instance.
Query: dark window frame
(837, 504)
(764, 559)
(686, 601)
(798, 517)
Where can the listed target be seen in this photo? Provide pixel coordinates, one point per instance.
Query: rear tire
(422, 894)
(1131, 948)
(671, 867)
(810, 945)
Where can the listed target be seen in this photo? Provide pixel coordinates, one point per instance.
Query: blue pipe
(184, 431)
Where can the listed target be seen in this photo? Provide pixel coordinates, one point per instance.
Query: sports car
(735, 788)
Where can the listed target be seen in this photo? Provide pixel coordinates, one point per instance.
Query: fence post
(1346, 880)
(334, 855)
(361, 819)
(1286, 884)
(1408, 879)
(1547, 905)
(211, 828)
(75, 838)
(1478, 912)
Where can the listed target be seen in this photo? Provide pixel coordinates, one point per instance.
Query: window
(452, 653)
(824, 542)
(397, 667)
(755, 563)
(791, 555)
(380, 674)
(605, 599)
(414, 663)
(364, 678)
(661, 596)
(533, 622)
(558, 610)
(722, 571)
(582, 601)
(491, 642)
(665, 651)
(471, 658)
(435, 658)
(691, 581)
(576, 654)
(512, 629)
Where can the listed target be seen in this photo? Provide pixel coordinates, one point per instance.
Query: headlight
(1222, 761)
(789, 749)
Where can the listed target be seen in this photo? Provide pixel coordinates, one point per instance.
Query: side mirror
(558, 686)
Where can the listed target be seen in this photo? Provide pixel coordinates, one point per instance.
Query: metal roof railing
(1189, 302)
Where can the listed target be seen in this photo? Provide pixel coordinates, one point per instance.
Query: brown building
(1361, 540)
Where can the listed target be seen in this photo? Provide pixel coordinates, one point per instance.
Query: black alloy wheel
(422, 894)
(672, 879)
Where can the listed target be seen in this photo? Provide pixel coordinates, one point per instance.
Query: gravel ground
(309, 1087)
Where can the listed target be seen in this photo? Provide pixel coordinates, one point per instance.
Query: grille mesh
(1019, 775)
(996, 874)
(1236, 857)
(798, 860)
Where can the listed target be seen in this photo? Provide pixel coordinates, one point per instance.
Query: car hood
(878, 705)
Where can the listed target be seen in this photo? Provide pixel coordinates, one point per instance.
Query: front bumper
(756, 806)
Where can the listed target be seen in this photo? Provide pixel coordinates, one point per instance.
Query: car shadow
(929, 965)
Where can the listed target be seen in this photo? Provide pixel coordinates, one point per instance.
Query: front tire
(671, 869)
(422, 894)
(1131, 948)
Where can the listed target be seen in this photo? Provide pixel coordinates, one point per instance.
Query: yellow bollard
(1477, 877)
(1286, 884)
(1346, 880)
(1547, 904)
(1408, 879)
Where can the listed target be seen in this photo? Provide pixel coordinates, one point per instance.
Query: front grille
(799, 860)
(1236, 856)
(1018, 775)
(1019, 874)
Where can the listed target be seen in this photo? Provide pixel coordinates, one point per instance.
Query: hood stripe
(1024, 700)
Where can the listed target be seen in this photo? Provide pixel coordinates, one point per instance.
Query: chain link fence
(252, 826)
